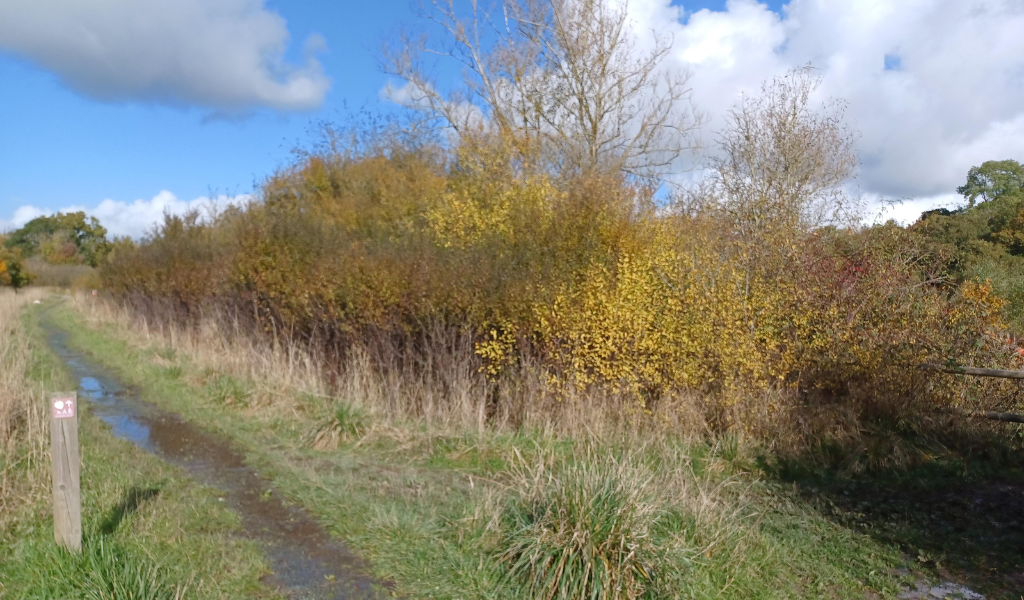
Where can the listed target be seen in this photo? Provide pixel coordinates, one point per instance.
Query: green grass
(585, 532)
(448, 514)
(344, 423)
(104, 569)
(149, 532)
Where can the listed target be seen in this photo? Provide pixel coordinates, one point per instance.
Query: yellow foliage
(980, 305)
(582, 275)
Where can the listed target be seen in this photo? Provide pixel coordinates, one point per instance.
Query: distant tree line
(60, 239)
(984, 238)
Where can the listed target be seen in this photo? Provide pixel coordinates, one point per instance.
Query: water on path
(306, 562)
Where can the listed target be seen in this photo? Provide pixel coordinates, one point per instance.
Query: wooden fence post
(67, 493)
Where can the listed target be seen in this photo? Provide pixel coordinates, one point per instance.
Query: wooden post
(67, 494)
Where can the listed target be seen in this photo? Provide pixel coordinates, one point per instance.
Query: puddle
(946, 591)
(306, 562)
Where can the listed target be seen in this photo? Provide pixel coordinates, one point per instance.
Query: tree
(12, 270)
(782, 162)
(992, 179)
(62, 238)
(984, 239)
(566, 75)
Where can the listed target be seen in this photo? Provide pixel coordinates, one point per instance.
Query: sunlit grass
(448, 510)
(149, 531)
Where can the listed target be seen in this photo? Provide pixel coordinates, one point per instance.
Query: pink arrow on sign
(63, 408)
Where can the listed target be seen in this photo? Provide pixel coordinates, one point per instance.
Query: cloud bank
(934, 86)
(133, 219)
(227, 55)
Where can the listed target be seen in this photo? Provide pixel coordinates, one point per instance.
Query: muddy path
(306, 562)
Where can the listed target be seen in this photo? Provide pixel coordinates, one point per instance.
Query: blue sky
(73, 134)
(61, 148)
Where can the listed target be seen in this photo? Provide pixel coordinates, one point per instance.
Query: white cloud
(908, 210)
(952, 98)
(934, 87)
(411, 95)
(227, 55)
(133, 219)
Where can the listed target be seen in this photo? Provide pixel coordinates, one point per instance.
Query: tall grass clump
(649, 520)
(103, 570)
(345, 423)
(583, 531)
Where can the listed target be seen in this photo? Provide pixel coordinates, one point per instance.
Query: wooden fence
(983, 414)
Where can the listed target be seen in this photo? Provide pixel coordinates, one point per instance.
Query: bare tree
(567, 74)
(782, 162)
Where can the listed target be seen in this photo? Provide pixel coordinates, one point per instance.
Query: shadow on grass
(958, 515)
(130, 503)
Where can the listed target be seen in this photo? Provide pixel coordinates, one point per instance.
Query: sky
(128, 109)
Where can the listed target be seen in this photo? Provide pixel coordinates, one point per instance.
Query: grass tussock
(584, 532)
(345, 424)
(104, 570)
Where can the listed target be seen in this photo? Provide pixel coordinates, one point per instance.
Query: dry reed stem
(23, 437)
(442, 386)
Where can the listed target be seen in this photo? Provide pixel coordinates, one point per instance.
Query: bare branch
(782, 163)
(564, 75)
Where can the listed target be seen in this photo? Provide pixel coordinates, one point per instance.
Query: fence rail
(981, 414)
(974, 371)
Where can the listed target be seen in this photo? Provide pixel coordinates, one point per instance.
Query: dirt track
(306, 562)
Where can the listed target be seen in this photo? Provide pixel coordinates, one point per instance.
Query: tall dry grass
(218, 343)
(440, 385)
(45, 274)
(22, 409)
(378, 388)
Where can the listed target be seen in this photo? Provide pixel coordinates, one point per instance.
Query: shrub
(12, 268)
(751, 287)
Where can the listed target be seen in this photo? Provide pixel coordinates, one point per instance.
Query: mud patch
(307, 563)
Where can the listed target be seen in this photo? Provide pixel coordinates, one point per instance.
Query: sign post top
(63, 406)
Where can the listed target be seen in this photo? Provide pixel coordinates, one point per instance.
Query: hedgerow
(587, 277)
